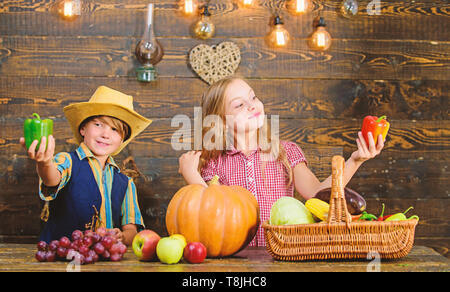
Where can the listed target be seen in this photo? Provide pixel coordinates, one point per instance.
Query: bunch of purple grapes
(86, 248)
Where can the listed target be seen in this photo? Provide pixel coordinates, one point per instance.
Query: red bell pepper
(376, 126)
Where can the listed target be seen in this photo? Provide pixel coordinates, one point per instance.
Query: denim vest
(73, 207)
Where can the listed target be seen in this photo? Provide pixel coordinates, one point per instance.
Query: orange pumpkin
(224, 218)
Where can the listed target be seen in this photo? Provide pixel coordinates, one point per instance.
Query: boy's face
(101, 138)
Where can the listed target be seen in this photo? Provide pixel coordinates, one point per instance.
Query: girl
(267, 167)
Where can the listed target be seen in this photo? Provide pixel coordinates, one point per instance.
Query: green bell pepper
(368, 217)
(35, 129)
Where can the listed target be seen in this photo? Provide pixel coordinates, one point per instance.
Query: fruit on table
(35, 129)
(289, 210)
(64, 242)
(224, 218)
(99, 248)
(50, 256)
(355, 202)
(376, 126)
(53, 245)
(144, 245)
(85, 248)
(194, 252)
(42, 246)
(169, 250)
(107, 241)
(77, 234)
(180, 238)
(40, 256)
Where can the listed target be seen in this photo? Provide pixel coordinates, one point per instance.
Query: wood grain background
(396, 63)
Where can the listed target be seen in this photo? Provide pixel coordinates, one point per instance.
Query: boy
(72, 184)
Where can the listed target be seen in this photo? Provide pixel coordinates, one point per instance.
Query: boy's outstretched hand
(41, 155)
(366, 152)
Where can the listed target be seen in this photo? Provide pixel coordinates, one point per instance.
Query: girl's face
(244, 112)
(101, 138)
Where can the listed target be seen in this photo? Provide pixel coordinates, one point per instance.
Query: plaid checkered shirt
(265, 179)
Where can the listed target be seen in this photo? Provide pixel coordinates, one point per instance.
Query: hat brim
(77, 113)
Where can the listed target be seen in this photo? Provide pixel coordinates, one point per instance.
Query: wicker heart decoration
(213, 63)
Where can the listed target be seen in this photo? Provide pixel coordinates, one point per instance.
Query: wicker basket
(339, 238)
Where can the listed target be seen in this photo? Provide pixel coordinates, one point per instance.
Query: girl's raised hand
(189, 162)
(365, 152)
(40, 155)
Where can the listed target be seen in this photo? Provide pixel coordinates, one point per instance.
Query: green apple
(169, 250)
(181, 238)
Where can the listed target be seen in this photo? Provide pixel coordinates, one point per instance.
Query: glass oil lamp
(148, 51)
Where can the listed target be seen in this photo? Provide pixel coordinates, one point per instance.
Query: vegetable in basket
(318, 208)
(383, 217)
(402, 216)
(367, 217)
(288, 210)
(355, 202)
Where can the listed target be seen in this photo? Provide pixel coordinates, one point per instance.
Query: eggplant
(355, 202)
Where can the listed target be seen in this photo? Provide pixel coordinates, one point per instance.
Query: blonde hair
(122, 128)
(213, 103)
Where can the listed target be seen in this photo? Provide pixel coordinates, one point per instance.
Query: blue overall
(72, 208)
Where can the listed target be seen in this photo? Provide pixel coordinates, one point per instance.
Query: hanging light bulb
(188, 7)
(204, 28)
(299, 6)
(148, 51)
(279, 36)
(69, 9)
(247, 3)
(320, 39)
(349, 8)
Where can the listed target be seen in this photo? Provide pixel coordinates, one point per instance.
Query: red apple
(194, 252)
(144, 245)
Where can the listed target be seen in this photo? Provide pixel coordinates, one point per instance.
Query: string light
(204, 28)
(188, 7)
(247, 3)
(299, 6)
(69, 9)
(349, 8)
(279, 36)
(320, 39)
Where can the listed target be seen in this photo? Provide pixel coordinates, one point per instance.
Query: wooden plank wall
(396, 63)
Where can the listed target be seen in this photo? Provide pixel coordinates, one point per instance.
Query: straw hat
(107, 102)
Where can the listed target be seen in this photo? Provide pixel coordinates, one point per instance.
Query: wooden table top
(20, 257)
